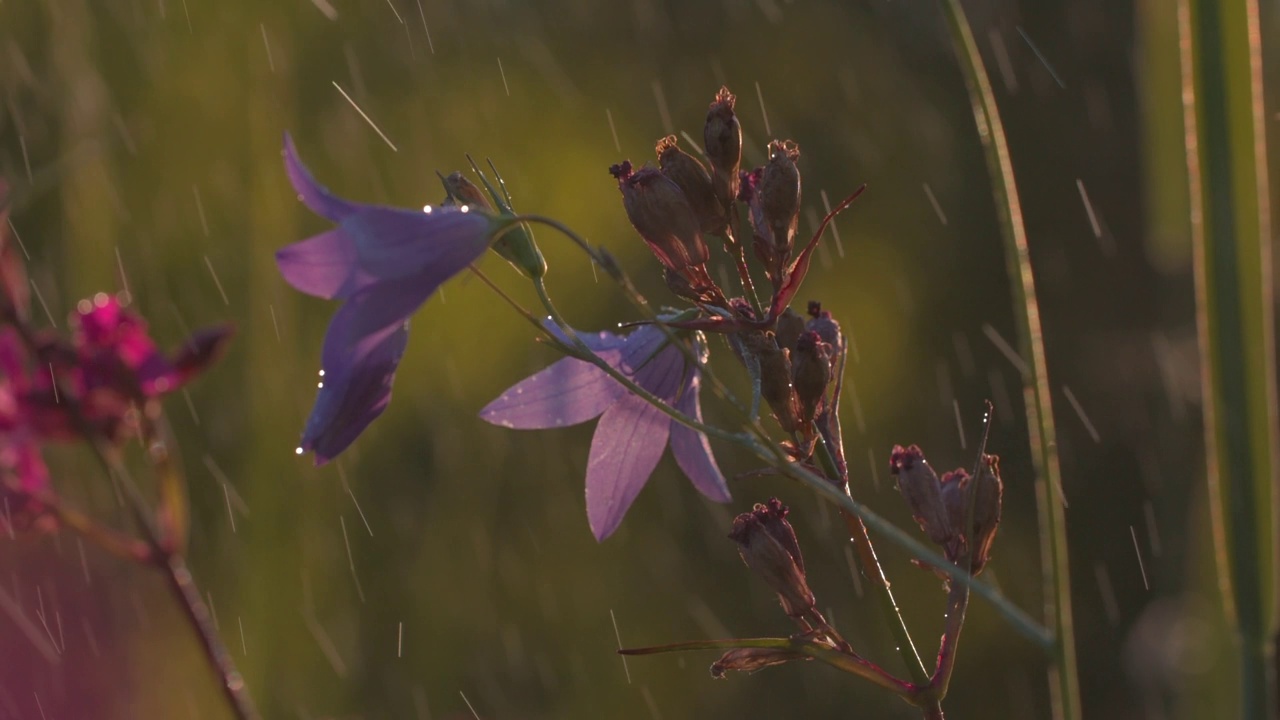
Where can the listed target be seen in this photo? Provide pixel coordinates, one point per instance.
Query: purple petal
(311, 193)
(628, 443)
(692, 449)
(356, 383)
(568, 392)
(324, 266)
(394, 242)
(640, 347)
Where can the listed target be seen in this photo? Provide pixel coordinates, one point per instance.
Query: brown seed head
(688, 172)
(464, 192)
(780, 194)
(722, 136)
(661, 213)
(767, 544)
(922, 490)
(810, 373)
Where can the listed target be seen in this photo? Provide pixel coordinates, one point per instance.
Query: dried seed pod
(790, 326)
(810, 373)
(989, 495)
(462, 191)
(824, 324)
(955, 497)
(775, 378)
(767, 544)
(722, 136)
(752, 659)
(922, 490)
(688, 172)
(661, 213)
(779, 193)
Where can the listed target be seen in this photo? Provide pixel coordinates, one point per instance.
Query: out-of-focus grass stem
(1225, 138)
(1036, 389)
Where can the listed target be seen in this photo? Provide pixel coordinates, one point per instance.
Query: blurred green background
(143, 137)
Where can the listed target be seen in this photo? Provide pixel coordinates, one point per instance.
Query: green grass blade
(1039, 407)
(1230, 232)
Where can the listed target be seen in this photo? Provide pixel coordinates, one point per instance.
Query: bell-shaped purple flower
(632, 433)
(384, 263)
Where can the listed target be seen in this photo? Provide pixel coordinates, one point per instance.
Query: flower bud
(922, 490)
(790, 326)
(956, 486)
(775, 378)
(462, 191)
(810, 373)
(516, 245)
(779, 192)
(688, 172)
(662, 215)
(989, 494)
(955, 498)
(823, 324)
(722, 136)
(753, 659)
(767, 544)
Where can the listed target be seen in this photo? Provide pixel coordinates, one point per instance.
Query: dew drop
(297, 451)
(322, 373)
(426, 209)
(464, 208)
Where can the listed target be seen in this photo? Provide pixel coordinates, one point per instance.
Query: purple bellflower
(383, 263)
(631, 434)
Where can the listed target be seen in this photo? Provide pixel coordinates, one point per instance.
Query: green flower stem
(1039, 407)
(872, 570)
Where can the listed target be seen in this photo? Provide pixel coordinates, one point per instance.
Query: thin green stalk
(1231, 236)
(875, 573)
(1039, 405)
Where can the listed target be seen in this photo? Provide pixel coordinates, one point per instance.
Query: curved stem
(1039, 406)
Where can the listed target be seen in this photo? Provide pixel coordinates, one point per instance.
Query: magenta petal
(394, 242)
(568, 392)
(312, 194)
(691, 448)
(628, 443)
(324, 266)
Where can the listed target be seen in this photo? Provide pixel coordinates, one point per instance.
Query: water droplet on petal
(297, 451)
(426, 209)
(464, 208)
